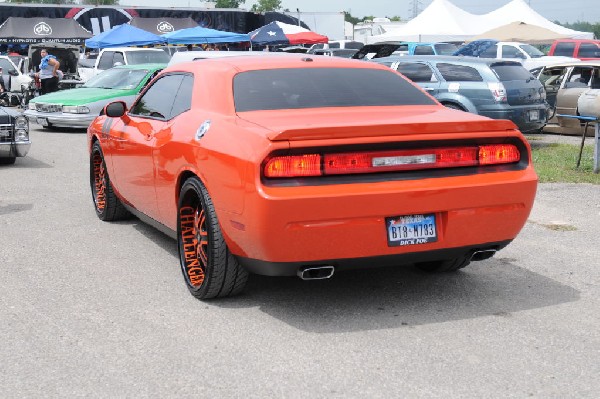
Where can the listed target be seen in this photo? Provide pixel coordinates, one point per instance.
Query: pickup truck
(386, 49)
(529, 56)
(116, 56)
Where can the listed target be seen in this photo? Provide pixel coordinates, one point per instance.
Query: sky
(561, 10)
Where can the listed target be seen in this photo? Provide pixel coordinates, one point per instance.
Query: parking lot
(100, 309)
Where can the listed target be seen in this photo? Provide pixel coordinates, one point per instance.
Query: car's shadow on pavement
(381, 298)
(27, 162)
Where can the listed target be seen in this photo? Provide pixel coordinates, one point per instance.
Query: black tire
(453, 106)
(8, 160)
(449, 265)
(108, 206)
(209, 269)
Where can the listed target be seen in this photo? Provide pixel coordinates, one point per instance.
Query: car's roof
(132, 49)
(593, 63)
(273, 61)
(142, 66)
(186, 56)
(446, 58)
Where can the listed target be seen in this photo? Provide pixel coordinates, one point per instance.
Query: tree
(349, 18)
(229, 3)
(396, 18)
(266, 5)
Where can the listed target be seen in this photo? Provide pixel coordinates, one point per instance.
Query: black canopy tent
(159, 26)
(36, 30)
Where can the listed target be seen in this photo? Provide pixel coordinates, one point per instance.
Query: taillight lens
(389, 161)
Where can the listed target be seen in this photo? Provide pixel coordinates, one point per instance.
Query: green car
(77, 108)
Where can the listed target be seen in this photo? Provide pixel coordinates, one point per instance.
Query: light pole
(298, 11)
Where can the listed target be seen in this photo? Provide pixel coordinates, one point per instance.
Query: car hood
(81, 96)
(337, 123)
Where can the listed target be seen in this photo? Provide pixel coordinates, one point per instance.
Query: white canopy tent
(442, 21)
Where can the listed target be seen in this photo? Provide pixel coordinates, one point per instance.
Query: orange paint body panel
(269, 220)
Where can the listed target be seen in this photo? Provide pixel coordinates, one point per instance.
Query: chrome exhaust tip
(315, 272)
(483, 254)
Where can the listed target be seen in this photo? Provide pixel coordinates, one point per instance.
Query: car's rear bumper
(315, 225)
(17, 149)
(519, 115)
(292, 268)
(60, 119)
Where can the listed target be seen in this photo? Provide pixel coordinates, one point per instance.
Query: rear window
(323, 87)
(459, 73)
(564, 49)
(589, 50)
(507, 73)
(445, 48)
(424, 50)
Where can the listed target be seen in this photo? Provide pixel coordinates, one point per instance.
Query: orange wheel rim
(194, 238)
(99, 183)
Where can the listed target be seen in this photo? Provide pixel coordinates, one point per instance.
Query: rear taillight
(498, 91)
(389, 161)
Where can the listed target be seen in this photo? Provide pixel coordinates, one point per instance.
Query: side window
(183, 99)
(490, 52)
(424, 50)
(565, 49)
(511, 52)
(588, 50)
(106, 61)
(459, 73)
(334, 45)
(552, 77)
(580, 77)
(416, 72)
(158, 100)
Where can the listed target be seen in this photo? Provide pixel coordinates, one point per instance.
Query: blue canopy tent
(204, 35)
(123, 35)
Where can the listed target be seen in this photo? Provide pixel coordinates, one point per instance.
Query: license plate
(42, 121)
(411, 229)
(534, 115)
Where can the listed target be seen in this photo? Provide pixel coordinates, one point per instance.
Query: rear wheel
(107, 204)
(209, 268)
(449, 265)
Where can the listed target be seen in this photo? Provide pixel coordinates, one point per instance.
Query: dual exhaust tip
(325, 272)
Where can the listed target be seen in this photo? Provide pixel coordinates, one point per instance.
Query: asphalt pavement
(94, 309)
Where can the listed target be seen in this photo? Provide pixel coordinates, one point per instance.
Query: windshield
(532, 51)
(445, 48)
(147, 57)
(117, 78)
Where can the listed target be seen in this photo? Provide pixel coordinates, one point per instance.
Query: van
(584, 49)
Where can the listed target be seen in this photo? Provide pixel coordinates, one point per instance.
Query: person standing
(48, 73)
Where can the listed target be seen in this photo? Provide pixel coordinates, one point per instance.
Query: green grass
(555, 163)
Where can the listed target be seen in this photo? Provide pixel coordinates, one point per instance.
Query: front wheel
(108, 206)
(208, 267)
(8, 160)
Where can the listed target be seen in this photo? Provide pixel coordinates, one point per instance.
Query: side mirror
(13, 72)
(115, 109)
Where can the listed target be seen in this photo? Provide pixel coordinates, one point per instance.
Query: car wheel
(453, 106)
(8, 160)
(448, 265)
(208, 267)
(107, 204)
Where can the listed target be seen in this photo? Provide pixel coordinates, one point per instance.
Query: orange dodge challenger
(304, 165)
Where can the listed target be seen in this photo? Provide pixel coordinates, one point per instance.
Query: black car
(14, 136)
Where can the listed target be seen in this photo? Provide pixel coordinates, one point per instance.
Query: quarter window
(459, 73)
(183, 99)
(157, 101)
(106, 61)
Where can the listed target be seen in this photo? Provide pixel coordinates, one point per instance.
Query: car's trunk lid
(522, 88)
(340, 123)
